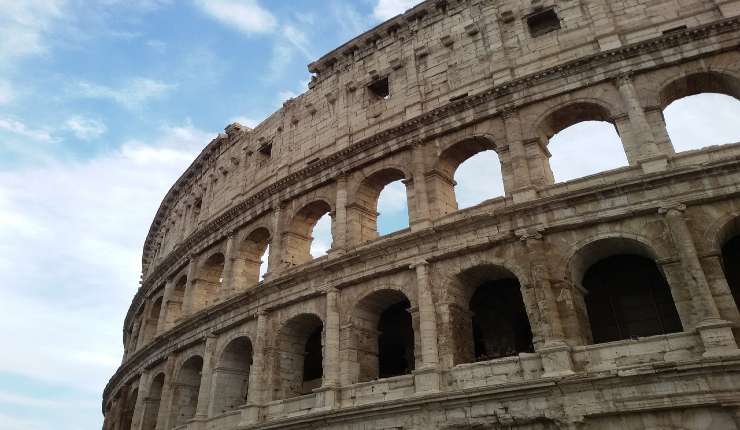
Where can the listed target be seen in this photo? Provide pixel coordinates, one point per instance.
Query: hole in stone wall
(500, 323)
(585, 148)
(152, 405)
(380, 89)
(393, 211)
(543, 22)
(702, 120)
(185, 402)
(322, 237)
(478, 179)
(628, 297)
(396, 341)
(313, 366)
(731, 261)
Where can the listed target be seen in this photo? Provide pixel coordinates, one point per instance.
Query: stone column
(251, 414)
(715, 274)
(427, 377)
(329, 391)
(187, 305)
(555, 353)
(647, 152)
(339, 226)
(523, 190)
(716, 333)
(421, 218)
(138, 419)
(275, 259)
(206, 379)
(165, 408)
(227, 285)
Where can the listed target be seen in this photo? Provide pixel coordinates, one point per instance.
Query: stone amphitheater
(606, 302)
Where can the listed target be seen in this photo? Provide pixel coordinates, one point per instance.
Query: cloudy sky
(103, 104)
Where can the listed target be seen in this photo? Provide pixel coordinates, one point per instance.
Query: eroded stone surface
(470, 319)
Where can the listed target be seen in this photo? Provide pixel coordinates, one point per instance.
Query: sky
(104, 103)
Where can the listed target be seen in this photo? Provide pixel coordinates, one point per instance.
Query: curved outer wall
(208, 345)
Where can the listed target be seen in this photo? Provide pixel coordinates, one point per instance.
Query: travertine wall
(209, 346)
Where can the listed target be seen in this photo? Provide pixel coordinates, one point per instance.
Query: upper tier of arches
(339, 115)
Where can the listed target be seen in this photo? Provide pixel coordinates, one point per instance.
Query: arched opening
(393, 210)
(231, 376)
(492, 321)
(152, 403)
(626, 294)
(383, 336)
(174, 303)
(186, 389)
(152, 320)
(467, 173)
(583, 141)
(701, 110)
(207, 284)
(299, 359)
(128, 412)
(249, 266)
(731, 263)
(322, 236)
(299, 238)
(363, 211)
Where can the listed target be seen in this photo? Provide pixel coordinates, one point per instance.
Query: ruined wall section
(440, 51)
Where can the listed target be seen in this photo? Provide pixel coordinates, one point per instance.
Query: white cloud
(24, 25)
(132, 95)
(71, 255)
(19, 128)
(702, 120)
(86, 128)
(247, 16)
(478, 179)
(387, 9)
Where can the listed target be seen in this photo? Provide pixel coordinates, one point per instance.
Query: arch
(299, 235)
(730, 248)
(383, 341)
(699, 82)
(173, 307)
(208, 281)
(130, 406)
(152, 320)
(252, 249)
(582, 139)
(362, 213)
(231, 375)
(442, 182)
(185, 392)
(298, 357)
(490, 316)
(152, 403)
(626, 293)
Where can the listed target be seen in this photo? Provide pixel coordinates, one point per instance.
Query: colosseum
(606, 302)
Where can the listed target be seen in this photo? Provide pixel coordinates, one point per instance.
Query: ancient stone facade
(600, 303)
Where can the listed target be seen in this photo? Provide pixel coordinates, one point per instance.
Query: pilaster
(427, 378)
(251, 414)
(555, 353)
(715, 333)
